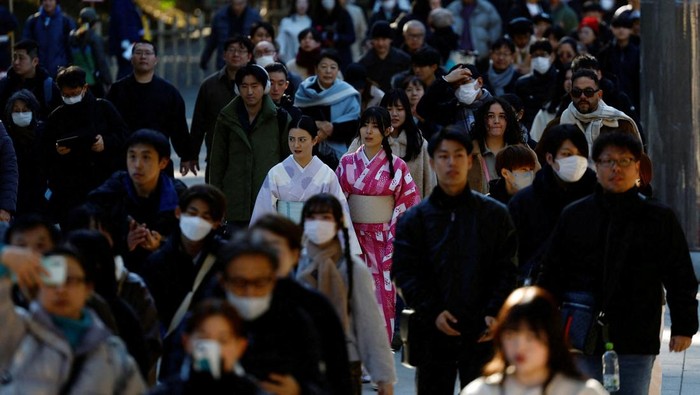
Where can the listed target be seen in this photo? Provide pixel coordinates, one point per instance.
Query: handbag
(580, 319)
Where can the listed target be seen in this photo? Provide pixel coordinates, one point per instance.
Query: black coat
(644, 240)
(535, 90)
(536, 209)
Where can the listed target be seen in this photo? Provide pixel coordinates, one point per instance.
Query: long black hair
(512, 134)
(414, 137)
(327, 203)
(381, 117)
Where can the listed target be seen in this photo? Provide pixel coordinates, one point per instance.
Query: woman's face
(567, 80)
(565, 53)
(302, 6)
(308, 44)
(327, 72)
(219, 329)
(524, 350)
(496, 121)
(371, 135)
(67, 300)
(301, 144)
(414, 92)
(260, 34)
(398, 115)
(586, 35)
(20, 106)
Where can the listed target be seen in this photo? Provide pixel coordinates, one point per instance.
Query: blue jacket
(51, 32)
(223, 26)
(124, 24)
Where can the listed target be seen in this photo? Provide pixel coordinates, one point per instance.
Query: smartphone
(56, 266)
(207, 357)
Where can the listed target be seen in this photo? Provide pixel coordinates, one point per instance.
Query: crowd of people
(381, 178)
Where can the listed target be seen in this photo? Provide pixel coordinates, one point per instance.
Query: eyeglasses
(244, 283)
(589, 92)
(622, 163)
(236, 51)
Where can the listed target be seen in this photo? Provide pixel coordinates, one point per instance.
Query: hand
(679, 343)
(26, 265)
(459, 76)
(5, 216)
(281, 384)
(62, 150)
(385, 388)
(442, 322)
(152, 241)
(99, 144)
(187, 166)
(487, 335)
(136, 236)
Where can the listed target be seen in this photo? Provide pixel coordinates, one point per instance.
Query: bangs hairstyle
(553, 138)
(329, 53)
(512, 134)
(514, 157)
(314, 33)
(245, 243)
(534, 309)
(212, 308)
(68, 250)
(263, 25)
(414, 137)
(152, 138)
(618, 139)
(412, 80)
(381, 117)
(209, 194)
(280, 226)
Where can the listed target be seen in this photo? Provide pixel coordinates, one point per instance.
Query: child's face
(36, 239)
(144, 164)
(525, 350)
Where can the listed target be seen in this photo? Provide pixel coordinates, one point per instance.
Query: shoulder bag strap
(185, 305)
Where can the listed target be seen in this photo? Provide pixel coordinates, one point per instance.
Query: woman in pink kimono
(379, 188)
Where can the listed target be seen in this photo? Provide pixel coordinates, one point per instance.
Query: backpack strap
(48, 91)
(75, 369)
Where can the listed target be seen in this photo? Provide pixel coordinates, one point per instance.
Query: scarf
(604, 115)
(307, 59)
(500, 80)
(341, 97)
(322, 271)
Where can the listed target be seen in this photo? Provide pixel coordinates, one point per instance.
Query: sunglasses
(589, 92)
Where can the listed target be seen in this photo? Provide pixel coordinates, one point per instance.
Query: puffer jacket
(484, 25)
(35, 357)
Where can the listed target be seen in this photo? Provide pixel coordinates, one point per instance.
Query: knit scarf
(322, 272)
(591, 123)
(307, 59)
(500, 80)
(342, 98)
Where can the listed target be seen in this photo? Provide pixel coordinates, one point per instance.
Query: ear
(35, 61)
(178, 212)
(314, 140)
(215, 224)
(296, 254)
(505, 173)
(549, 158)
(242, 346)
(163, 163)
(185, 339)
(600, 94)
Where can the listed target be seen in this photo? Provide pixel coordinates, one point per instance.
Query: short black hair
(239, 39)
(314, 33)
(147, 42)
(426, 56)
(329, 53)
(257, 71)
(94, 247)
(585, 62)
(70, 251)
(585, 73)
(520, 25)
(70, 77)
(503, 42)
(211, 195)
(151, 137)
(280, 226)
(27, 222)
(262, 24)
(514, 157)
(211, 308)
(617, 139)
(453, 135)
(554, 137)
(246, 243)
(277, 67)
(31, 46)
(541, 44)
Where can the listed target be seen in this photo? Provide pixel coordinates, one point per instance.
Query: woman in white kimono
(293, 181)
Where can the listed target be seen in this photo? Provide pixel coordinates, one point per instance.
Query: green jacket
(240, 160)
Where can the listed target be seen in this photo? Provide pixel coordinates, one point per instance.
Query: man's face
(501, 58)
(23, 64)
(36, 239)
(451, 163)
(251, 91)
(249, 275)
(622, 33)
(425, 73)
(521, 40)
(265, 48)
(617, 170)
(144, 58)
(278, 84)
(199, 208)
(68, 91)
(49, 6)
(237, 56)
(144, 164)
(381, 46)
(414, 37)
(67, 300)
(238, 6)
(582, 87)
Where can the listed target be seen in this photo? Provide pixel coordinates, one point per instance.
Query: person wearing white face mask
(564, 178)
(24, 128)
(517, 166)
(462, 88)
(284, 351)
(535, 88)
(177, 274)
(328, 267)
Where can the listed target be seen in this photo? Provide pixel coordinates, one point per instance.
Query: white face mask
(328, 4)
(388, 5)
(72, 99)
(22, 119)
(522, 179)
(319, 231)
(571, 168)
(193, 227)
(249, 307)
(467, 93)
(265, 60)
(541, 64)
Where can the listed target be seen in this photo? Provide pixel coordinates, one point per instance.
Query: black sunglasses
(589, 92)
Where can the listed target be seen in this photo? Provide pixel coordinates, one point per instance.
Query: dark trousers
(438, 374)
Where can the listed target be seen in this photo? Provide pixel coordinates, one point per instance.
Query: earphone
(267, 80)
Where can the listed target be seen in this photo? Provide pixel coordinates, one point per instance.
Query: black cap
(356, 75)
(624, 19)
(382, 29)
(425, 56)
(542, 17)
(520, 25)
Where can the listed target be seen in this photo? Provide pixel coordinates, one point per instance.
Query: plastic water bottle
(611, 369)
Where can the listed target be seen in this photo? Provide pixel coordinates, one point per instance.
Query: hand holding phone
(56, 270)
(207, 357)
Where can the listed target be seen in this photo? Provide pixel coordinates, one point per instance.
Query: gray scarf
(500, 80)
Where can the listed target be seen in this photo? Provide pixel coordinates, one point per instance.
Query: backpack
(83, 58)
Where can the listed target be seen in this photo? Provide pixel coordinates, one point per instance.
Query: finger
(450, 317)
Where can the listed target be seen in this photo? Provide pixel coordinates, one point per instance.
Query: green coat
(240, 161)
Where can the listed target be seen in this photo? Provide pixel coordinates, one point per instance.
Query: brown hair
(514, 157)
